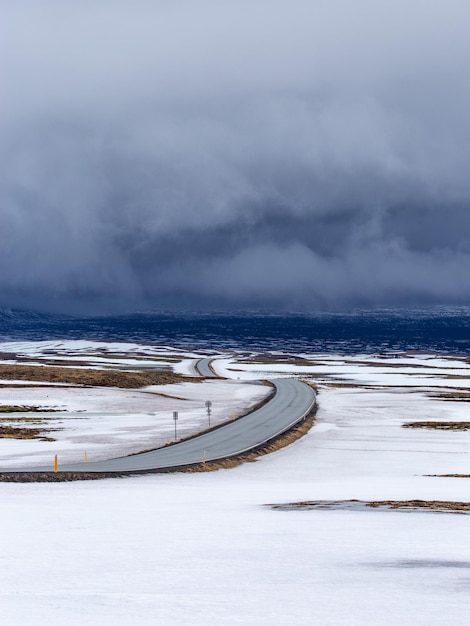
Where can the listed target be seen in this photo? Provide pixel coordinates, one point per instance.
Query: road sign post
(175, 418)
(208, 407)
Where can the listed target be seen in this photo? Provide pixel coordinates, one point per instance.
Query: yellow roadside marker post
(233, 417)
(56, 463)
(86, 457)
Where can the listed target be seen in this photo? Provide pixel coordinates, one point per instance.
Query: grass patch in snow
(455, 376)
(166, 395)
(454, 396)
(11, 408)
(448, 475)
(27, 420)
(439, 425)
(16, 432)
(101, 378)
(438, 506)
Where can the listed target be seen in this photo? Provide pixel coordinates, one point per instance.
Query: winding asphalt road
(203, 366)
(292, 402)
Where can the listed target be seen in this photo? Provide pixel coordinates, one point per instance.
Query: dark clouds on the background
(298, 154)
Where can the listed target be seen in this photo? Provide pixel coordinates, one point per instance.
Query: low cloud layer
(202, 154)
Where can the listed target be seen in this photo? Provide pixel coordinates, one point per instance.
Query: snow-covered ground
(202, 548)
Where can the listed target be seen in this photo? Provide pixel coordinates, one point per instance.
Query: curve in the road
(292, 402)
(203, 366)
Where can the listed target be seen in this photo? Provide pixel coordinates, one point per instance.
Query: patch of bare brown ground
(13, 408)
(431, 505)
(440, 506)
(101, 378)
(439, 425)
(15, 432)
(454, 396)
(165, 395)
(449, 475)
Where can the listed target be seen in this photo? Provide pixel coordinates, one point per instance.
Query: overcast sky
(243, 153)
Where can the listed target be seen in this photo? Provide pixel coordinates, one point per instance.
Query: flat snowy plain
(203, 548)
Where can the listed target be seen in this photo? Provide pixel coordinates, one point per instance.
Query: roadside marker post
(208, 407)
(204, 458)
(175, 418)
(233, 417)
(56, 464)
(86, 457)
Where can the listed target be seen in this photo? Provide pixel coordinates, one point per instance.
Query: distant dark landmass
(438, 330)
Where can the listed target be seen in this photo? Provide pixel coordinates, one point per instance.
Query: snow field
(203, 548)
(193, 549)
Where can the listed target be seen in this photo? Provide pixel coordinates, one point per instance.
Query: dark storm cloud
(207, 153)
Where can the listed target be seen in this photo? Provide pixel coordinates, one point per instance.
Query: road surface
(293, 401)
(203, 366)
